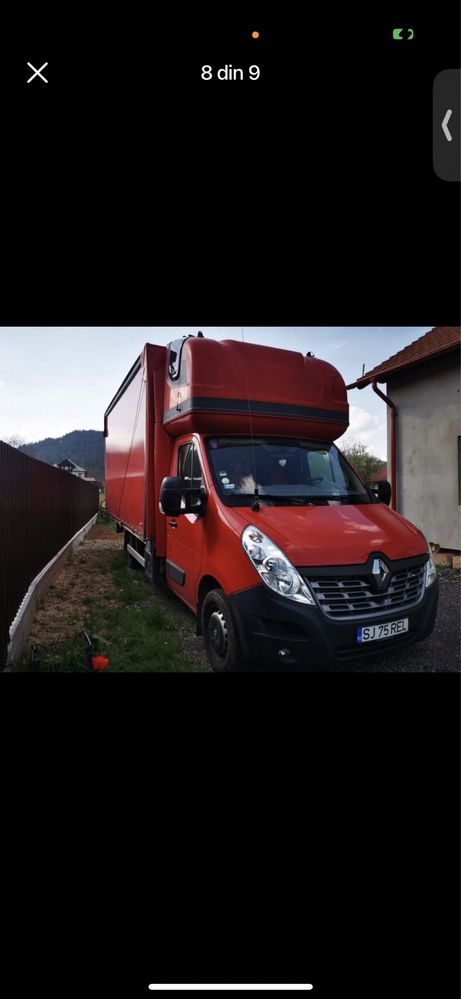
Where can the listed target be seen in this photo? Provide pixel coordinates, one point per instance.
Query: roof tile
(438, 341)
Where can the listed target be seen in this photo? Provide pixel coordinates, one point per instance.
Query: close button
(446, 124)
(37, 73)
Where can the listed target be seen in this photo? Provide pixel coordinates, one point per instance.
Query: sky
(61, 378)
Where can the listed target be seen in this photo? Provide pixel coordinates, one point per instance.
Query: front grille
(345, 597)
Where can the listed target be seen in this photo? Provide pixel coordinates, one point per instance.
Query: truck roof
(222, 385)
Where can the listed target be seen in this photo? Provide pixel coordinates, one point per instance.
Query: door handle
(173, 524)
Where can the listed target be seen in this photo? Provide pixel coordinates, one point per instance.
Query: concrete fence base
(20, 628)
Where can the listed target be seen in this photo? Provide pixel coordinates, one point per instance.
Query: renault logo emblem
(380, 573)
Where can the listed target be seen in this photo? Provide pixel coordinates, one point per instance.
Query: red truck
(222, 471)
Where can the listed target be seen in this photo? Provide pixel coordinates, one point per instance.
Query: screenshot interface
(169, 172)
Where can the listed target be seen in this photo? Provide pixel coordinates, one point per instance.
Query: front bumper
(268, 624)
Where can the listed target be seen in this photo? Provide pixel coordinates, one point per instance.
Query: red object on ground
(100, 662)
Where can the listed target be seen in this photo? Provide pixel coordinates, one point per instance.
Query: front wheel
(220, 635)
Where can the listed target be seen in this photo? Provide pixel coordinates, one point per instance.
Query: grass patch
(104, 520)
(126, 624)
(136, 635)
(67, 656)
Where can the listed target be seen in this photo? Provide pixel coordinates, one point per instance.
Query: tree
(14, 441)
(365, 464)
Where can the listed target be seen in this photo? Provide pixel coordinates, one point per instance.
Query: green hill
(84, 447)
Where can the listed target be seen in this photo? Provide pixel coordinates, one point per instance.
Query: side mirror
(199, 501)
(384, 492)
(176, 498)
(171, 492)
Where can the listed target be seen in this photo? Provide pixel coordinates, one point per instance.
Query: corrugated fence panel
(41, 508)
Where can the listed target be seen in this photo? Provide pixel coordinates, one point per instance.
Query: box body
(207, 386)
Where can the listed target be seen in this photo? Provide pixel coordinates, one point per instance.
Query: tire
(220, 634)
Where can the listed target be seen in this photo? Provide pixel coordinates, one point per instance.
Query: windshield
(288, 472)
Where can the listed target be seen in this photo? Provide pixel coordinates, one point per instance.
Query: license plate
(375, 632)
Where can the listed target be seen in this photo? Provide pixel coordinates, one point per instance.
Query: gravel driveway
(438, 654)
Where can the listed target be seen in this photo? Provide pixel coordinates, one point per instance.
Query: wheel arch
(206, 585)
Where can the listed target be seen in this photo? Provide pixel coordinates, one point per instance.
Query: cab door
(184, 534)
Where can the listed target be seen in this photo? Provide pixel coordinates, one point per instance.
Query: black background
(261, 828)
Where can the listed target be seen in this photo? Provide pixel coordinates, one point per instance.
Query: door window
(185, 462)
(189, 467)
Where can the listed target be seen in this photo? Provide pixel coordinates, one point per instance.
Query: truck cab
(287, 558)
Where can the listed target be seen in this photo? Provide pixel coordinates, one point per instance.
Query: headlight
(273, 567)
(431, 570)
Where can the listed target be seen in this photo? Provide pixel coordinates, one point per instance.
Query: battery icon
(403, 34)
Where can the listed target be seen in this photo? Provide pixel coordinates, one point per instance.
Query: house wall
(428, 426)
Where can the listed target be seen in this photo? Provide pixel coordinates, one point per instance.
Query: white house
(424, 432)
(66, 465)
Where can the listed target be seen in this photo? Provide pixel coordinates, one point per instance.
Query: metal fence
(41, 508)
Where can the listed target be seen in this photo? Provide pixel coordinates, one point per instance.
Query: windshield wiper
(312, 500)
(256, 498)
(300, 500)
